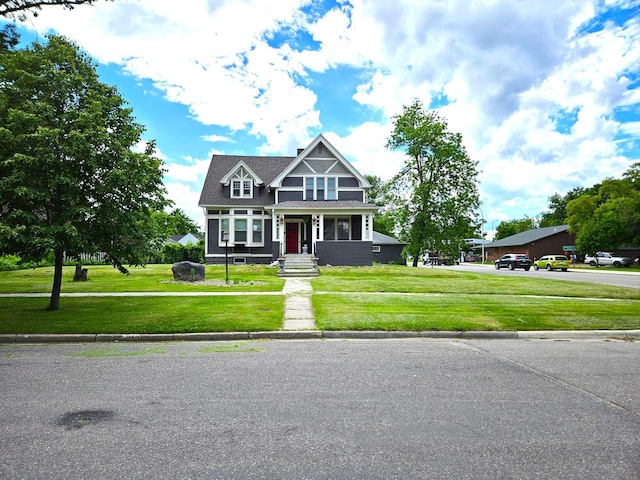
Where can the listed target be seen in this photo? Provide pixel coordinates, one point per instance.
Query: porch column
(278, 232)
(321, 227)
(367, 227)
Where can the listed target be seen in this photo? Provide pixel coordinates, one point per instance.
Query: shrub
(192, 252)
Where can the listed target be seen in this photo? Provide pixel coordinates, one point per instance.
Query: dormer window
(241, 184)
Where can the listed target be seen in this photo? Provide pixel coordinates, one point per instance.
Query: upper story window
(241, 184)
(320, 188)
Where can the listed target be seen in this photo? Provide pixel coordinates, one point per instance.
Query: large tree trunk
(54, 302)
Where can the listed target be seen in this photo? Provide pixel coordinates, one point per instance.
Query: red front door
(292, 237)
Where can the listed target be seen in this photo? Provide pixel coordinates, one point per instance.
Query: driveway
(348, 409)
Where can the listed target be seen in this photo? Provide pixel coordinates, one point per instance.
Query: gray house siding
(290, 196)
(240, 253)
(212, 238)
(348, 182)
(292, 182)
(350, 253)
(351, 195)
(389, 254)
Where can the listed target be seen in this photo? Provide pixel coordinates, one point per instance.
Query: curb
(320, 334)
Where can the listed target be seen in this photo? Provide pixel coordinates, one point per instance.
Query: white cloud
(365, 148)
(505, 71)
(186, 197)
(217, 138)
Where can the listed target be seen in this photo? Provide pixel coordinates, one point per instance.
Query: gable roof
(277, 182)
(179, 237)
(382, 239)
(265, 168)
(241, 164)
(529, 236)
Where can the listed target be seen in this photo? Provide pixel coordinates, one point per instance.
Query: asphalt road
(620, 277)
(348, 409)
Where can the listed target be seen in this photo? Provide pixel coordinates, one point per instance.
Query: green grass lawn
(353, 298)
(143, 314)
(152, 278)
(400, 279)
(405, 298)
(419, 312)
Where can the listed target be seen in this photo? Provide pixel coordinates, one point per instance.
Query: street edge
(323, 334)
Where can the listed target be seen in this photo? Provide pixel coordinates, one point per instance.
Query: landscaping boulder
(187, 271)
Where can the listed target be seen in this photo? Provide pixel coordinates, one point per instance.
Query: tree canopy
(557, 213)
(607, 217)
(73, 178)
(384, 219)
(13, 9)
(506, 228)
(176, 222)
(435, 193)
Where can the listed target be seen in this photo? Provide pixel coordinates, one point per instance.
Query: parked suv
(513, 260)
(551, 262)
(606, 258)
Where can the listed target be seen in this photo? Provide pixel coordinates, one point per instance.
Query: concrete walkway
(298, 311)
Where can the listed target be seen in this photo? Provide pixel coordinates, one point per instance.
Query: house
(387, 249)
(314, 203)
(534, 243)
(184, 239)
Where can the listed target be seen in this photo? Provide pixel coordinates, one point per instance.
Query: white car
(606, 258)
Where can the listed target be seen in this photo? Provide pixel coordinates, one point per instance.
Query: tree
(557, 214)
(9, 37)
(608, 217)
(507, 228)
(436, 189)
(19, 8)
(176, 223)
(71, 179)
(384, 219)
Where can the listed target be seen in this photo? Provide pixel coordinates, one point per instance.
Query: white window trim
(242, 181)
(232, 234)
(325, 189)
(335, 227)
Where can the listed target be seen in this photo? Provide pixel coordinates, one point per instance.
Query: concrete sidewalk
(298, 311)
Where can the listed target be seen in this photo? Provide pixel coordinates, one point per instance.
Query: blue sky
(546, 94)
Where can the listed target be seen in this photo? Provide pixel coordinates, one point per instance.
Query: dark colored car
(512, 261)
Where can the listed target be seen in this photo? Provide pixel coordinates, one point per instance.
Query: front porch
(321, 231)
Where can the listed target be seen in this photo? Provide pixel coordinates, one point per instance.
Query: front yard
(345, 298)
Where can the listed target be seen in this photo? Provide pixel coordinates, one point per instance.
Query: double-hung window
(240, 230)
(246, 229)
(309, 188)
(331, 189)
(241, 184)
(224, 227)
(256, 229)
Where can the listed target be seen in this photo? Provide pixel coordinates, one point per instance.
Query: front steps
(298, 265)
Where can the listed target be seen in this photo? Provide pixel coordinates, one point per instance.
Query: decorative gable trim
(257, 181)
(302, 157)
